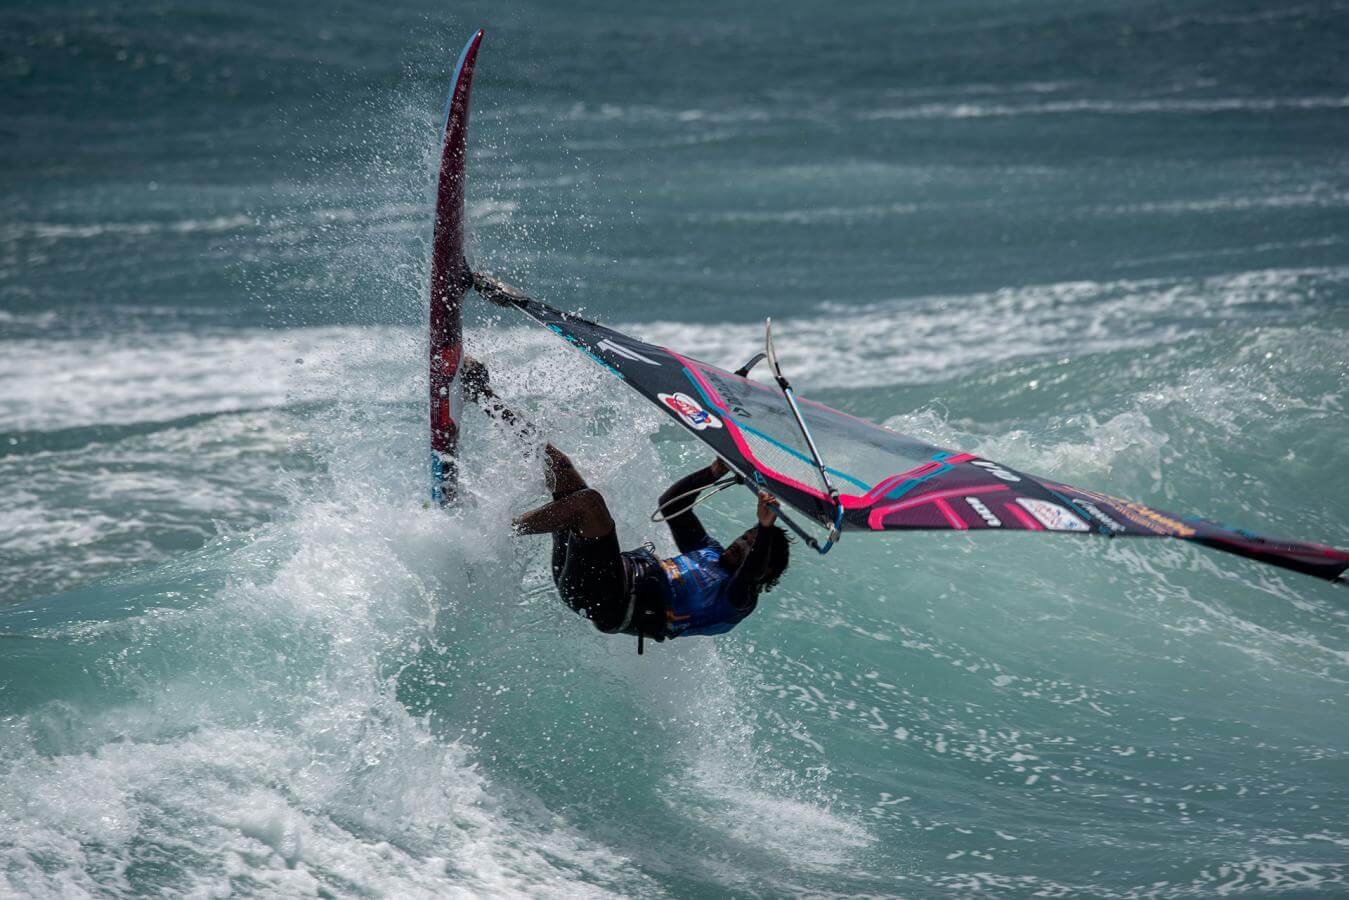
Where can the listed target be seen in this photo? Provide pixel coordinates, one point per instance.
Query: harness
(646, 595)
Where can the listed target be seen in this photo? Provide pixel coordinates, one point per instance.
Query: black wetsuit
(627, 592)
(591, 576)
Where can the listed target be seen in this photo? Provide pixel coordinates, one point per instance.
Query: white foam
(50, 383)
(940, 337)
(383, 216)
(276, 758)
(1315, 196)
(257, 810)
(55, 231)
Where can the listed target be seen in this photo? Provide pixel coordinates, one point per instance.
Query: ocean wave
(815, 215)
(54, 383)
(1288, 11)
(363, 695)
(206, 751)
(52, 231)
(929, 338)
(1141, 107)
(61, 383)
(1315, 196)
(98, 503)
(286, 226)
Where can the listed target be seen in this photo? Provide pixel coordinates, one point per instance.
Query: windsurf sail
(450, 280)
(885, 481)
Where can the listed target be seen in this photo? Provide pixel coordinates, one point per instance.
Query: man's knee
(562, 477)
(595, 518)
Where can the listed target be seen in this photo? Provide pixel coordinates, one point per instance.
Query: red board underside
(450, 279)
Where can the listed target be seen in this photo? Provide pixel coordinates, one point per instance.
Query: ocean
(240, 656)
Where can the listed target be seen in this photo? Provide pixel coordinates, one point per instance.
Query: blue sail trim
(772, 440)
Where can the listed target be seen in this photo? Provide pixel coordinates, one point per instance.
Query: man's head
(775, 560)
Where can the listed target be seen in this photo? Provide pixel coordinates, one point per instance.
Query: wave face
(240, 655)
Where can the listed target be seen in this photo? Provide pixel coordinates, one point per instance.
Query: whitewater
(240, 655)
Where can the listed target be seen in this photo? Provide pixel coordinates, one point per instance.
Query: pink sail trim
(956, 522)
(876, 518)
(735, 434)
(851, 501)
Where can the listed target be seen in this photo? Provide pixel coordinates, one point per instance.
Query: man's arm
(744, 588)
(688, 532)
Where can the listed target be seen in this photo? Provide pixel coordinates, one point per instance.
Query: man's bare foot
(475, 380)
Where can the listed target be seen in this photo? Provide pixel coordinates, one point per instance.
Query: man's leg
(478, 389)
(575, 507)
(583, 512)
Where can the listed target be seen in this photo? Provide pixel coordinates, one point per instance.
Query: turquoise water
(1100, 241)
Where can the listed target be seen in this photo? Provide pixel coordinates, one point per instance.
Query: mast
(835, 527)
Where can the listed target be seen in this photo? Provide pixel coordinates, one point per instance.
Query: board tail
(450, 279)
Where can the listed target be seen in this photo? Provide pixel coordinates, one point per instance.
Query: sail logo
(1051, 515)
(687, 408)
(1154, 521)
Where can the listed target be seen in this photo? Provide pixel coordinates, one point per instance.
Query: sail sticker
(1101, 518)
(984, 512)
(689, 410)
(1051, 515)
(1156, 521)
(995, 470)
(609, 346)
(580, 345)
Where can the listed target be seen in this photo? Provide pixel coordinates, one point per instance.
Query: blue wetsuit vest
(698, 593)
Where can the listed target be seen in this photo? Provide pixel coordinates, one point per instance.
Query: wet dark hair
(779, 554)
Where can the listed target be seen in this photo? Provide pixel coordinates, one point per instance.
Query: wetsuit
(591, 575)
(634, 592)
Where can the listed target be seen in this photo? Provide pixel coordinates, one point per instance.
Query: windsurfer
(706, 589)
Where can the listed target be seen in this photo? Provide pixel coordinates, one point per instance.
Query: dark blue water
(1100, 241)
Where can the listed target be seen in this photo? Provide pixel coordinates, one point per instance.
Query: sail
(886, 481)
